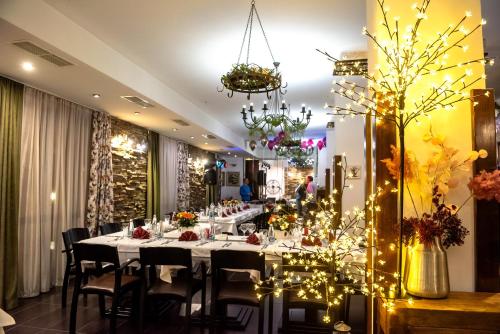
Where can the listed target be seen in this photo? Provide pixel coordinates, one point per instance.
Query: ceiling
(173, 54)
(186, 46)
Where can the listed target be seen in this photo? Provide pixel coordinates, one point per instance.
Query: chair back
(138, 222)
(231, 259)
(97, 253)
(110, 228)
(78, 234)
(166, 256)
(68, 249)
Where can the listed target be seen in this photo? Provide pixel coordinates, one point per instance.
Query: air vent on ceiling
(137, 100)
(231, 147)
(42, 53)
(209, 136)
(181, 122)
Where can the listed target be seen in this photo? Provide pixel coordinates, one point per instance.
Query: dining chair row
(148, 286)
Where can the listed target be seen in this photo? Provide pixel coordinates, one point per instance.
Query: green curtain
(11, 105)
(153, 185)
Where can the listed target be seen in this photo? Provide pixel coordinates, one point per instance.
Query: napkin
(140, 233)
(234, 210)
(314, 242)
(188, 236)
(224, 215)
(253, 239)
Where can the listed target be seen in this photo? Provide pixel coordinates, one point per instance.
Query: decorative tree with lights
(409, 58)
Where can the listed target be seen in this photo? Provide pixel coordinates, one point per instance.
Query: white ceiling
(189, 44)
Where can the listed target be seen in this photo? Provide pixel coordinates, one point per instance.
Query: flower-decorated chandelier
(249, 78)
(275, 118)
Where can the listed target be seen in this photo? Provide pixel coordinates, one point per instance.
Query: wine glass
(244, 228)
(251, 228)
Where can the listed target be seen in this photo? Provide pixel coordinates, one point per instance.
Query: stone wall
(129, 173)
(294, 176)
(197, 190)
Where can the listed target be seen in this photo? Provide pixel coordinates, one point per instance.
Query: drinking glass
(251, 228)
(244, 228)
(265, 238)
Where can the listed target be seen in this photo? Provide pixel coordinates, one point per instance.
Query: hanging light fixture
(275, 118)
(249, 78)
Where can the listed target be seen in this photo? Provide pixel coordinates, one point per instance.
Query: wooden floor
(43, 314)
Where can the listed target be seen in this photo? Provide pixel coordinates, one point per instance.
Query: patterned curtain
(182, 176)
(100, 197)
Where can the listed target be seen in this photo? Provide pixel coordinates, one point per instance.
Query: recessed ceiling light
(27, 66)
(192, 137)
(206, 143)
(235, 156)
(137, 113)
(204, 135)
(229, 153)
(96, 95)
(174, 129)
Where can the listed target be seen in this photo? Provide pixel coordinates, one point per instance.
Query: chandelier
(275, 118)
(249, 78)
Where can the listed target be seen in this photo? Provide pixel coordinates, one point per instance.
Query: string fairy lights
(409, 58)
(332, 256)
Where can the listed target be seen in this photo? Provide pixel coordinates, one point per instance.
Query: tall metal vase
(426, 270)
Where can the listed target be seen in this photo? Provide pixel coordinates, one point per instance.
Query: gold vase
(426, 270)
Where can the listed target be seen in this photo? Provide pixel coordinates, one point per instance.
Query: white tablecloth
(230, 223)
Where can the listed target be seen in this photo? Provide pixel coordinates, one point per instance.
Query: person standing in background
(300, 195)
(312, 189)
(245, 191)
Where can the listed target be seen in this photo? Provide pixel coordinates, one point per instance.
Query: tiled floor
(43, 314)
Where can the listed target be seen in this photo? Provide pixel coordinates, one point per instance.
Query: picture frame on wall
(354, 172)
(232, 179)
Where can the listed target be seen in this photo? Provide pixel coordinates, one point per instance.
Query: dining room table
(230, 223)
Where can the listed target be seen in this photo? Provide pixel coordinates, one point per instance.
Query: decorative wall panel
(129, 171)
(197, 189)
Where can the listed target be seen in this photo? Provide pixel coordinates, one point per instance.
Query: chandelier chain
(253, 10)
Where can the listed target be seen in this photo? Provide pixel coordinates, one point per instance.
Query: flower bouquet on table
(435, 222)
(186, 219)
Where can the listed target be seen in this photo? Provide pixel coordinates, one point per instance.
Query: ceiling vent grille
(181, 122)
(42, 53)
(209, 136)
(137, 100)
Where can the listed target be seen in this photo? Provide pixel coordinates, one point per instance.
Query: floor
(44, 314)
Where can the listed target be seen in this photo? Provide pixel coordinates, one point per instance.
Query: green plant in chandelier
(251, 77)
(409, 57)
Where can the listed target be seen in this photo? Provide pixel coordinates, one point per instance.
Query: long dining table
(230, 223)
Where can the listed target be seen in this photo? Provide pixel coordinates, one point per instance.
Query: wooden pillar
(487, 217)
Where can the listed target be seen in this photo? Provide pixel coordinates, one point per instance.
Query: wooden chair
(69, 237)
(183, 286)
(311, 306)
(113, 284)
(138, 222)
(110, 228)
(226, 291)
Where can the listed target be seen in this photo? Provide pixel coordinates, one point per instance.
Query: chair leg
(203, 306)
(188, 315)
(113, 315)
(262, 307)
(74, 308)
(286, 315)
(102, 306)
(142, 300)
(213, 313)
(64, 293)
(271, 315)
